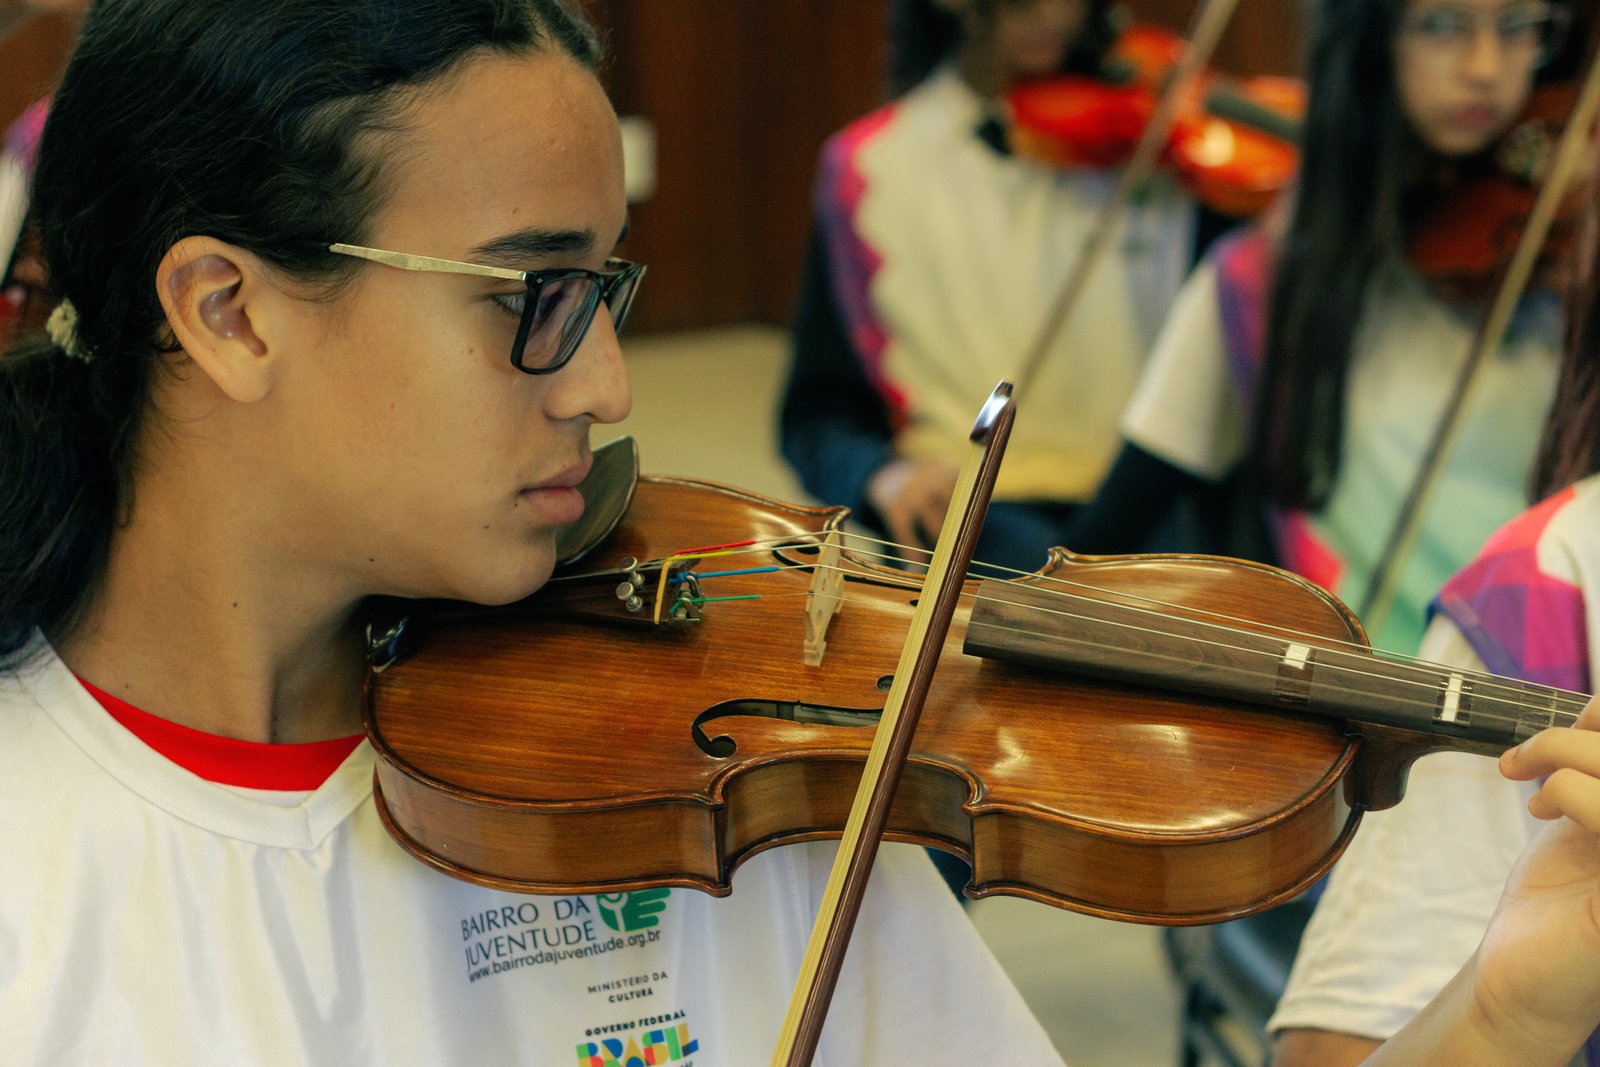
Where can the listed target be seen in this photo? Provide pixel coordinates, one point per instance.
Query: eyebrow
(515, 249)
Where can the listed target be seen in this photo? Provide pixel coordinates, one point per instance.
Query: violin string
(1105, 596)
(1324, 642)
(1567, 714)
(1483, 682)
(775, 544)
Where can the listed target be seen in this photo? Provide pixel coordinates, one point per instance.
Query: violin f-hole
(724, 747)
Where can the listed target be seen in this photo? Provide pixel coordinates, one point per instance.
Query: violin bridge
(823, 599)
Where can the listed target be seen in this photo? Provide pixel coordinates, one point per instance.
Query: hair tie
(62, 329)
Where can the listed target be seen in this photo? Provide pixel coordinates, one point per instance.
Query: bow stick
(1384, 582)
(930, 623)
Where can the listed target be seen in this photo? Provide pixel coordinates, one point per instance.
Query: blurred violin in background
(1465, 238)
(1232, 144)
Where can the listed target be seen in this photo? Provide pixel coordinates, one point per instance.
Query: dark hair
(922, 35)
(1363, 174)
(244, 121)
(1569, 449)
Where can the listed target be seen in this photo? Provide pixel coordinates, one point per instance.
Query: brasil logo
(651, 1049)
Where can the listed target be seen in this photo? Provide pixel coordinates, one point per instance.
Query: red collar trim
(228, 761)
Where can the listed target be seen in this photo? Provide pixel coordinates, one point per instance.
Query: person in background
(1406, 904)
(21, 273)
(1529, 994)
(1310, 358)
(935, 257)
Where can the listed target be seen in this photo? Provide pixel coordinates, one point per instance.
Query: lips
(569, 478)
(556, 501)
(1475, 117)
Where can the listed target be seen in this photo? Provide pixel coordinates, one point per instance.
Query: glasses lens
(559, 319)
(619, 298)
(1531, 32)
(1552, 34)
(565, 310)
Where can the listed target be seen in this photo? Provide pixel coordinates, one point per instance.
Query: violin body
(549, 752)
(1232, 143)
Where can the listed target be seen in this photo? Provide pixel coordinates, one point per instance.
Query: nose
(1487, 57)
(594, 383)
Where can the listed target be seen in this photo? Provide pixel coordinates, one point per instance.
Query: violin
(1168, 740)
(1232, 143)
(1465, 237)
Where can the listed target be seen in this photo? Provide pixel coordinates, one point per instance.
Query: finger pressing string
(1551, 750)
(1571, 793)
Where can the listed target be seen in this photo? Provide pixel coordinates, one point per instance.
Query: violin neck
(1228, 103)
(1135, 644)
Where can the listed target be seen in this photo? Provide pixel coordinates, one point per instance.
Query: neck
(1066, 626)
(208, 616)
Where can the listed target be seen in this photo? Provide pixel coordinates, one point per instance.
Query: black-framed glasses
(556, 311)
(1530, 33)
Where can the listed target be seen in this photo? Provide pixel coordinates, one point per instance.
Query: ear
(209, 290)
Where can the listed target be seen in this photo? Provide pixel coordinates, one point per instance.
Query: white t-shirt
(1409, 901)
(1408, 348)
(150, 917)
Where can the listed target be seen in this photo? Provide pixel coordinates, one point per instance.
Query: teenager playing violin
(1406, 904)
(1315, 359)
(250, 414)
(934, 261)
(234, 434)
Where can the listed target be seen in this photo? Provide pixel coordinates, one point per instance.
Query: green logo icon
(626, 912)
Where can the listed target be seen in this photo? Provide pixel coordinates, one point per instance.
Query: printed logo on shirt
(554, 930)
(639, 1043)
(632, 911)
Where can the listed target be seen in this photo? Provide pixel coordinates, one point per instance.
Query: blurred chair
(1232, 975)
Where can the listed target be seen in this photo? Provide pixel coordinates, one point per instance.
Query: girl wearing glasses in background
(1315, 357)
(1408, 901)
(1312, 358)
(337, 312)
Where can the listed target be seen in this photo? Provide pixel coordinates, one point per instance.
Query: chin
(507, 583)
(1459, 144)
(522, 585)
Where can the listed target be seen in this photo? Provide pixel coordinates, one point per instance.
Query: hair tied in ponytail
(62, 329)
